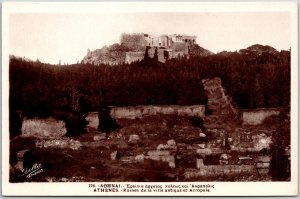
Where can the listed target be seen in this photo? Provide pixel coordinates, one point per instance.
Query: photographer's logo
(34, 170)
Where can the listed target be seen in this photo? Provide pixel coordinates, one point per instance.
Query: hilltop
(134, 47)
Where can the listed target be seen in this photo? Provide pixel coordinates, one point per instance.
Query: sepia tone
(152, 108)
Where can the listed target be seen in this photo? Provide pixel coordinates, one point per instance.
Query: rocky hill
(132, 48)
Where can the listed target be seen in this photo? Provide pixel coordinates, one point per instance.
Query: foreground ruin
(169, 143)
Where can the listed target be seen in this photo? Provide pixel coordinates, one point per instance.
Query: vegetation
(252, 80)
(106, 122)
(280, 147)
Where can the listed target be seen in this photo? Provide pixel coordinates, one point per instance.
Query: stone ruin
(138, 112)
(163, 153)
(24, 159)
(257, 116)
(261, 167)
(43, 128)
(218, 102)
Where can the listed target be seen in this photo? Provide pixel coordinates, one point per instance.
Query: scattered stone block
(167, 158)
(205, 151)
(199, 163)
(63, 143)
(263, 171)
(166, 147)
(99, 137)
(139, 158)
(153, 157)
(171, 142)
(113, 155)
(24, 158)
(127, 159)
(172, 164)
(133, 138)
(158, 153)
(181, 145)
(202, 135)
(263, 159)
(122, 145)
(262, 165)
(64, 179)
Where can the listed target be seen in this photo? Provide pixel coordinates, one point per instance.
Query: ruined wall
(134, 56)
(43, 128)
(133, 112)
(135, 41)
(218, 102)
(219, 170)
(261, 167)
(257, 116)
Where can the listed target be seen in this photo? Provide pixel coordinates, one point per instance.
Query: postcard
(149, 99)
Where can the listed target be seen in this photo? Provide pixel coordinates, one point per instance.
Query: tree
(155, 57)
(76, 120)
(258, 94)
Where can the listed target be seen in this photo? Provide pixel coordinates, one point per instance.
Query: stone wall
(161, 52)
(261, 167)
(133, 112)
(218, 102)
(134, 56)
(257, 116)
(219, 170)
(43, 128)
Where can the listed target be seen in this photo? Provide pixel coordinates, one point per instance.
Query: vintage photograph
(149, 97)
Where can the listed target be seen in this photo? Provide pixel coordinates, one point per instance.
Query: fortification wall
(257, 116)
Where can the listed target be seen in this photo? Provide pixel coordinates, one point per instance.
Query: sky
(51, 37)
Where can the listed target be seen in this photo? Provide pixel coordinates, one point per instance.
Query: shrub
(15, 123)
(197, 122)
(75, 125)
(106, 122)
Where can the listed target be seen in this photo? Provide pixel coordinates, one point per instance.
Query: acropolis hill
(133, 47)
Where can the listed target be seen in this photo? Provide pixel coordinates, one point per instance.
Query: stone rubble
(59, 143)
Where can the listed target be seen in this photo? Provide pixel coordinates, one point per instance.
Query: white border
(221, 188)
